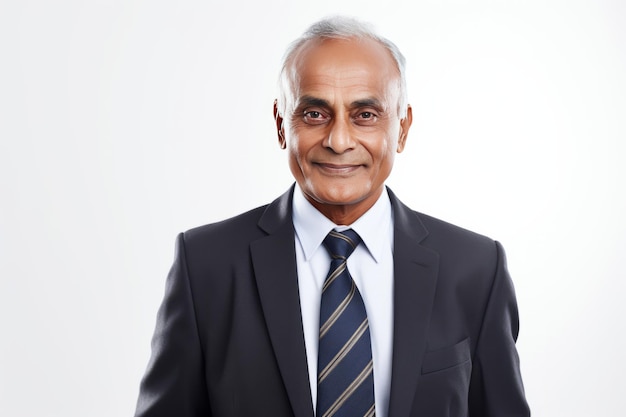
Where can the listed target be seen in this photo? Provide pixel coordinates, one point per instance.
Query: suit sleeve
(496, 388)
(174, 383)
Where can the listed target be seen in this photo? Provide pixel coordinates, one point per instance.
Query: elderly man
(336, 299)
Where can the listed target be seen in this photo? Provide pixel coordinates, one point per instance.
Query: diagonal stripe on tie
(345, 367)
(351, 389)
(343, 352)
(371, 412)
(338, 311)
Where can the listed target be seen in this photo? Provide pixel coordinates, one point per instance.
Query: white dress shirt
(371, 267)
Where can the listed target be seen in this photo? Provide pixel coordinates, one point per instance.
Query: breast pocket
(448, 357)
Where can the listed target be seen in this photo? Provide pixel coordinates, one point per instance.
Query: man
(254, 321)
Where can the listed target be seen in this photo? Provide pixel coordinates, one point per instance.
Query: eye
(366, 118)
(315, 117)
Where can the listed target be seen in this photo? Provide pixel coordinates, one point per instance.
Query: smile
(336, 169)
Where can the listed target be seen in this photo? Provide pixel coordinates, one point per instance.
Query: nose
(340, 138)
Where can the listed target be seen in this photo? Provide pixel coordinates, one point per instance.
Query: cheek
(301, 144)
(392, 144)
(292, 147)
(383, 155)
(382, 149)
(293, 142)
(297, 155)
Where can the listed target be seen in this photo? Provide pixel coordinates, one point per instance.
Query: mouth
(338, 169)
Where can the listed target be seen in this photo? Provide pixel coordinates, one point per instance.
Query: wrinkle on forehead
(352, 64)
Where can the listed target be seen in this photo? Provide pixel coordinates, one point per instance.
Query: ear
(280, 129)
(405, 124)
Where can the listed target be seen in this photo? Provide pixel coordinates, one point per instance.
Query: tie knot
(341, 244)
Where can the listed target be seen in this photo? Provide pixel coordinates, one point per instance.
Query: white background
(123, 123)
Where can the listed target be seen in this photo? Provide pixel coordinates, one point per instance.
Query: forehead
(360, 66)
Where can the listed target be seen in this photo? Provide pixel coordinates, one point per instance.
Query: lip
(338, 169)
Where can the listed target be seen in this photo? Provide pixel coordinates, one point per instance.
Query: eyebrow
(306, 101)
(368, 102)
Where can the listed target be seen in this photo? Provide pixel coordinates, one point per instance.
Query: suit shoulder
(435, 232)
(445, 235)
(469, 256)
(437, 225)
(243, 226)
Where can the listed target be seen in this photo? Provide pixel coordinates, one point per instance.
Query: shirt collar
(373, 226)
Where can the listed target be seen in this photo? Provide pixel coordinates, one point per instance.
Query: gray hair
(339, 27)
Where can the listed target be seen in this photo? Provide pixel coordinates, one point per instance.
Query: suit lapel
(274, 262)
(415, 277)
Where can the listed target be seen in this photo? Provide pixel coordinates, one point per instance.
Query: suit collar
(278, 213)
(406, 220)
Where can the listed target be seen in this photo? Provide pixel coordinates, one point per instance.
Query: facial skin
(343, 129)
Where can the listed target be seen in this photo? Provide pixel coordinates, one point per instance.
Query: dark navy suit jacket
(229, 338)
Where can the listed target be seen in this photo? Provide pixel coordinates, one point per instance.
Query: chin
(339, 196)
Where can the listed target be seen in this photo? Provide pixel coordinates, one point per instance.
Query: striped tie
(345, 372)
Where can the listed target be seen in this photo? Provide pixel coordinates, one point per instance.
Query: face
(342, 129)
